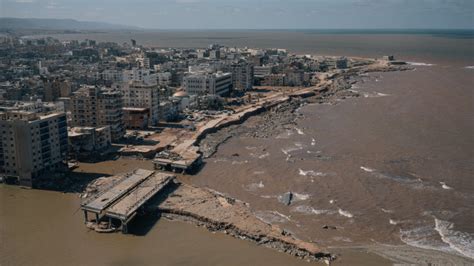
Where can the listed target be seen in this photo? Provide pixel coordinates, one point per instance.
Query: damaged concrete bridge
(121, 200)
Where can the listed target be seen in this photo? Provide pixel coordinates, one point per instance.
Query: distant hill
(57, 24)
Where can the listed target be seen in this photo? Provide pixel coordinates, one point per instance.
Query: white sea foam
(469, 67)
(419, 64)
(375, 94)
(393, 222)
(386, 211)
(300, 132)
(459, 241)
(285, 135)
(422, 237)
(427, 237)
(272, 217)
(345, 213)
(332, 201)
(239, 162)
(254, 186)
(250, 147)
(299, 144)
(444, 186)
(342, 239)
(300, 197)
(313, 142)
(310, 210)
(367, 169)
(260, 156)
(310, 173)
(259, 172)
(289, 150)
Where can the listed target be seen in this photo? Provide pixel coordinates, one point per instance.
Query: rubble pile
(169, 155)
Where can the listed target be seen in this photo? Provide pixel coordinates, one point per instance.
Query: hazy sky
(253, 14)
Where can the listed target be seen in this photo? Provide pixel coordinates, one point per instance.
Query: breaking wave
(414, 182)
(310, 210)
(254, 186)
(310, 173)
(299, 131)
(427, 237)
(260, 156)
(459, 241)
(345, 213)
(367, 169)
(444, 186)
(419, 64)
(300, 197)
(239, 162)
(375, 94)
(393, 222)
(289, 150)
(386, 211)
(469, 67)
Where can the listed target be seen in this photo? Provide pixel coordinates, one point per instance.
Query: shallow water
(46, 228)
(405, 157)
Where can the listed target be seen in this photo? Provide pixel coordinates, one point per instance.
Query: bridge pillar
(124, 228)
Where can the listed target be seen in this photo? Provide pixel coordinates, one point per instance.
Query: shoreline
(333, 87)
(329, 91)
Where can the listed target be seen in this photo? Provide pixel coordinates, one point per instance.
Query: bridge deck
(124, 208)
(114, 193)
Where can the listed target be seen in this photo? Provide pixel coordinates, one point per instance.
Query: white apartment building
(204, 83)
(141, 95)
(111, 75)
(164, 78)
(262, 71)
(32, 144)
(139, 74)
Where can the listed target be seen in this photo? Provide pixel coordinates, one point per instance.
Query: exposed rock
(286, 198)
(329, 227)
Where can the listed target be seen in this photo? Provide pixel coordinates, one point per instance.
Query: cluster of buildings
(61, 100)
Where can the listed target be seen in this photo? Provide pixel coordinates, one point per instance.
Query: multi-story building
(32, 144)
(204, 83)
(136, 118)
(86, 140)
(274, 80)
(164, 78)
(139, 74)
(294, 78)
(242, 76)
(262, 71)
(112, 75)
(142, 95)
(92, 106)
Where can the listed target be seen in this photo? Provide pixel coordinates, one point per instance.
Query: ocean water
(440, 45)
